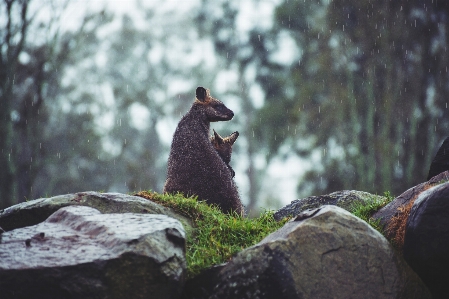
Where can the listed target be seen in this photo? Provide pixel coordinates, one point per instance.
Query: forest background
(328, 95)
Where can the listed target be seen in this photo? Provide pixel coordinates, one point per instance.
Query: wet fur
(194, 166)
(223, 146)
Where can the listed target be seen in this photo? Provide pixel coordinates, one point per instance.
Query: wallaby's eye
(220, 108)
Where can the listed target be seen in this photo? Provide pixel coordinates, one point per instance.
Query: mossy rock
(344, 199)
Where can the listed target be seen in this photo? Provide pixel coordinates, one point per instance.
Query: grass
(217, 237)
(365, 209)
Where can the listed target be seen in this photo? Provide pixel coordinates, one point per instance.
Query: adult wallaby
(223, 146)
(194, 166)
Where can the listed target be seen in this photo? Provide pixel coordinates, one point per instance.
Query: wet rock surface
(35, 211)
(426, 242)
(328, 253)
(80, 253)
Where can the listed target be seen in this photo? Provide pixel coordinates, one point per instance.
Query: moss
(365, 209)
(217, 236)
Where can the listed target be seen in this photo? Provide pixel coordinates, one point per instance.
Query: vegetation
(217, 236)
(365, 209)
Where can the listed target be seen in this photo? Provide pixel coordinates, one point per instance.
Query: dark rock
(202, 285)
(328, 254)
(426, 244)
(440, 162)
(79, 253)
(343, 199)
(392, 209)
(35, 211)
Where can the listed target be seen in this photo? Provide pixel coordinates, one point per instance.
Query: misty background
(327, 95)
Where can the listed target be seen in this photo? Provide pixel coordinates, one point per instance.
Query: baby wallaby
(194, 166)
(223, 146)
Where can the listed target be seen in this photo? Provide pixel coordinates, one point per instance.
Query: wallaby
(223, 146)
(194, 166)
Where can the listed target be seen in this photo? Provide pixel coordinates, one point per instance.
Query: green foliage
(365, 209)
(217, 236)
(354, 88)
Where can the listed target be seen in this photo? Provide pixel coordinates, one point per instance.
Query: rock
(440, 162)
(35, 211)
(343, 199)
(323, 253)
(426, 242)
(202, 285)
(80, 253)
(393, 208)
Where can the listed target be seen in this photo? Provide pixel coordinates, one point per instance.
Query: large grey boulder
(35, 211)
(322, 253)
(426, 241)
(80, 253)
(343, 199)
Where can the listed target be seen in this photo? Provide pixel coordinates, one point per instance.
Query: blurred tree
(367, 90)
(32, 58)
(134, 80)
(13, 33)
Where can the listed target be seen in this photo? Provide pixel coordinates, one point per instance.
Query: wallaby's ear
(218, 138)
(201, 93)
(233, 137)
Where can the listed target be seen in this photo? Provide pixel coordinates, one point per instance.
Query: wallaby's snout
(213, 109)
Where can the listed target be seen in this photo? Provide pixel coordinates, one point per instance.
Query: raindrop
(258, 37)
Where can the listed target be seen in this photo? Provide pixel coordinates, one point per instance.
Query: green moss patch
(217, 236)
(365, 209)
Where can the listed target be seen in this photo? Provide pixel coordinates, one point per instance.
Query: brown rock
(426, 242)
(394, 208)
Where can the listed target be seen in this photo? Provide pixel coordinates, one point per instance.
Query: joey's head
(223, 146)
(213, 109)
